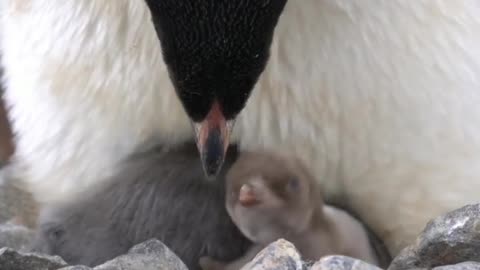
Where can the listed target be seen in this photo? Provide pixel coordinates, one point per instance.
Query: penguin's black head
(215, 51)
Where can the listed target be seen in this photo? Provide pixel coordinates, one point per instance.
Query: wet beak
(212, 136)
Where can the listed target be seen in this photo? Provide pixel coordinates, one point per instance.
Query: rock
(339, 262)
(460, 266)
(149, 255)
(449, 239)
(307, 265)
(76, 267)
(14, 260)
(279, 255)
(15, 236)
(406, 259)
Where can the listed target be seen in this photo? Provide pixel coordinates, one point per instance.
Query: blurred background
(6, 143)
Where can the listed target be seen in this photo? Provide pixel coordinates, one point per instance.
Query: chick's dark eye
(293, 184)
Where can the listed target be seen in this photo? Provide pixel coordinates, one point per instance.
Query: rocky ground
(449, 242)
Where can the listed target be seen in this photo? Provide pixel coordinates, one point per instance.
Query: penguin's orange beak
(213, 137)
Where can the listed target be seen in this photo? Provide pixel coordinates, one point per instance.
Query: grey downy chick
(160, 194)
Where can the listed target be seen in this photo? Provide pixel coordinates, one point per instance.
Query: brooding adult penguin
(379, 98)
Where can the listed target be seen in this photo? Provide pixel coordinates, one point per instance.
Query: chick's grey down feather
(157, 194)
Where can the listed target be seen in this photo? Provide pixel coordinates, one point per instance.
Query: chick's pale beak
(247, 196)
(212, 136)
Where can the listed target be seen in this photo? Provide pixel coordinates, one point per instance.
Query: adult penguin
(380, 98)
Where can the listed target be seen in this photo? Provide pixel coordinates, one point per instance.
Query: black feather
(215, 49)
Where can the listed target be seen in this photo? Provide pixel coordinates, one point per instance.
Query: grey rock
(76, 267)
(149, 255)
(15, 236)
(449, 239)
(460, 266)
(14, 260)
(406, 259)
(307, 265)
(152, 254)
(279, 255)
(339, 262)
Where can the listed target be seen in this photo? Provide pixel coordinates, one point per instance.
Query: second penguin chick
(270, 197)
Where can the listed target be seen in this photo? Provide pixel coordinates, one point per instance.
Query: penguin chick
(271, 197)
(156, 194)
